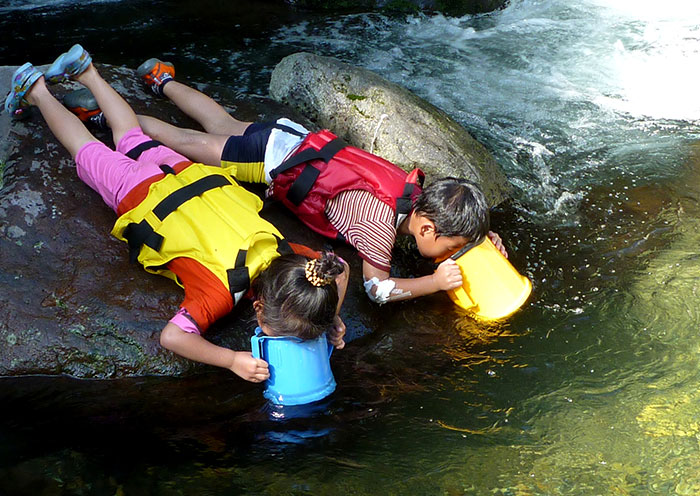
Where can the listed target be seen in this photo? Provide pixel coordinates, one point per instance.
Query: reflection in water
(476, 340)
(628, 421)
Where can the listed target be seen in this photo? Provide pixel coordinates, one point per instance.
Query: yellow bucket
(492, 288)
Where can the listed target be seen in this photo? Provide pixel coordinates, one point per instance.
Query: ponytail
(299, 295)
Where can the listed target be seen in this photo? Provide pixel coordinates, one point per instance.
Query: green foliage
(360, 111)
(355, 97)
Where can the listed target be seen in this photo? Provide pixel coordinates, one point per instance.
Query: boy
(360, 198)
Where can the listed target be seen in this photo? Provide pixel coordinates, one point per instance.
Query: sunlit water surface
(591, 108)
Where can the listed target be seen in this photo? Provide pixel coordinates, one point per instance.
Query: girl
(190, 222)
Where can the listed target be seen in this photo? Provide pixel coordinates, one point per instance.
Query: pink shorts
(112, 174)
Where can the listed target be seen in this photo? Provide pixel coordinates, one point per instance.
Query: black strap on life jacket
(305, 181)
(175, 199)
(136, 151)
(239, 275)
(167, 169)
(288, 129)
(326, 153)
(142, 233)
(404, 203)
(283, 247)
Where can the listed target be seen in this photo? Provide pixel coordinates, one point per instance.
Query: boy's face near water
(432, 245)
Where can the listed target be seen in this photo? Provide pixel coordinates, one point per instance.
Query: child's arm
(339, 326)
(498, 243)
(195, 347)
(336, 336)
(382, 288)
(341, 281)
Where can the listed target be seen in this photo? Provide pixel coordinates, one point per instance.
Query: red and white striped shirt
(367, 224)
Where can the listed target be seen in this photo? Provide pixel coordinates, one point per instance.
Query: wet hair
(299, 295)
(457, 207)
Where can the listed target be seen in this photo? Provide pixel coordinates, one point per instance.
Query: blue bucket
(300, 370)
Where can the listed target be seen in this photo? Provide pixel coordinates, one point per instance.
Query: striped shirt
(367, 224)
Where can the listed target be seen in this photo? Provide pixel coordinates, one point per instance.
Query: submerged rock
(386, 119)
(70, 302)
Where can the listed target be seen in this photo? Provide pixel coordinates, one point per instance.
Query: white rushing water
(565, 93)
(15, 5)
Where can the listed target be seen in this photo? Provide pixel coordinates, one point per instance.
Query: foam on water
(578, 79)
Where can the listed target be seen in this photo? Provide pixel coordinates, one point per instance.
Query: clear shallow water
(591, 109)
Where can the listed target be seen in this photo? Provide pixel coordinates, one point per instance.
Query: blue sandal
(69, 64)
(22, 80)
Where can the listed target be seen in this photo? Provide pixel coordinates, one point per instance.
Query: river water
(590, 107)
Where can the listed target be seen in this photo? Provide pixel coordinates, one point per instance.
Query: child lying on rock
(190, 222)
(337, 190)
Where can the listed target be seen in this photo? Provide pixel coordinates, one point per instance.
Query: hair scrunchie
(311, 270)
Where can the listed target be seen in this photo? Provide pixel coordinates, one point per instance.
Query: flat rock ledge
(71, 304)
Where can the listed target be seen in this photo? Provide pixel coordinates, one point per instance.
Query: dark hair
(457, 207)
(293, 306)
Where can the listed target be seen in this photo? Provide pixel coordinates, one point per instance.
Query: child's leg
(120, 116)
(203, 109)
(67, 128)
(205, 147)
(109, 173)
(195, 145)
(160, 77)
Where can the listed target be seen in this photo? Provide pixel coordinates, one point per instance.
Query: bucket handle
(467, 247)
(462, 293)
(257, 348)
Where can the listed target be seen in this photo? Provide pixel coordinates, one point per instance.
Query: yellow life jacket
(203, 214)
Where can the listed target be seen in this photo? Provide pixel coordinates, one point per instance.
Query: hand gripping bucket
(492, 288)
(300, 370)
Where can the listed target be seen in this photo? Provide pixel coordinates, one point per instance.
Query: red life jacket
(324, 166)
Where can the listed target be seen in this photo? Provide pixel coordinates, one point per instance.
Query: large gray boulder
(386, 119)
(70, 302)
